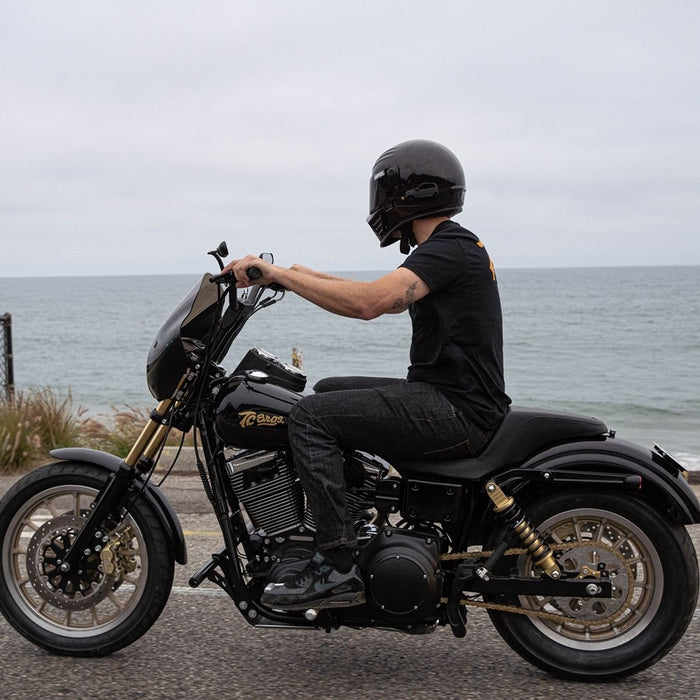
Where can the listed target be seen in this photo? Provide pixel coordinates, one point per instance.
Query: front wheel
(118, 589)
(652, 565)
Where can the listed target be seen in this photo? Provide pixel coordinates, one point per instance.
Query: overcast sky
(134, 136)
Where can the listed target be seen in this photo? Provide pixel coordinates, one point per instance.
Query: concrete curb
(186, 461)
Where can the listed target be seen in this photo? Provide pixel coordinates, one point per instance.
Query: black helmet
(414, 180)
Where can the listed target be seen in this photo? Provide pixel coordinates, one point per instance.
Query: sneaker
(318, 585)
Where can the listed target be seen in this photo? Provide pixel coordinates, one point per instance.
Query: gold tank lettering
(250, 419)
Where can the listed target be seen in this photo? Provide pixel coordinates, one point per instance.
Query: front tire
(115, 595)
(652, 565)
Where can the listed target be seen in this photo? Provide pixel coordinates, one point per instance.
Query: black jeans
(392, 418)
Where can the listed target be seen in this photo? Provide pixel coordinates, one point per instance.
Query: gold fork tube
(154, 432)
(149, 430)
(156, 441)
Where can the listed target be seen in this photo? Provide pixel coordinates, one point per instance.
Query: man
(453, 397)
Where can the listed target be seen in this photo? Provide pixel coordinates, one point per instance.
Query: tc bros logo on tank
(254, 419)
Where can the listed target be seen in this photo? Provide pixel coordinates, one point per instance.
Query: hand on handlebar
(245, 272)
(228, 276)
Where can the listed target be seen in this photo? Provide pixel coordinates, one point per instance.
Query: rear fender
(155, 497)
(612, 463)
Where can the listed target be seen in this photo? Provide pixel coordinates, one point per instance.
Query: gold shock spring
(541, 553)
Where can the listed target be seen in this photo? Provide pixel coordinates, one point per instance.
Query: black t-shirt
(457, 343)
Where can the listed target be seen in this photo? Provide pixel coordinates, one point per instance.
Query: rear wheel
(653, 568)
(115, 593)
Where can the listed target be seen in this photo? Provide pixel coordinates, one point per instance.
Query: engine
(401, 568)
(267, 486)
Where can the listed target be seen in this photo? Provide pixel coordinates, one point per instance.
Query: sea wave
(690, 462)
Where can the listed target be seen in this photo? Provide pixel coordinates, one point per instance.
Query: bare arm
(391, 293)
(308, 271)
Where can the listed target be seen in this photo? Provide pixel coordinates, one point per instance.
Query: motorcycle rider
(453, 397)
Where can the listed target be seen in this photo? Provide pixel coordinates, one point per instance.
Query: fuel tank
(252, 411)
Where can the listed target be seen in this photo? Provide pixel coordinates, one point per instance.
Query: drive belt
(555, 617)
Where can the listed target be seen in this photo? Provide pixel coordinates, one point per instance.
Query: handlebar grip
(222, 277)
(254, 273)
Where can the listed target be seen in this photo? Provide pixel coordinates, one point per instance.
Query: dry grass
(37, 422)
(118, 434)
(34, 423)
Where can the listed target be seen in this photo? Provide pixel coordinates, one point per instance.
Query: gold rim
(97, 596)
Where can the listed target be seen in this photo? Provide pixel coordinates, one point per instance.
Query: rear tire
(112, 599)
(654, 571)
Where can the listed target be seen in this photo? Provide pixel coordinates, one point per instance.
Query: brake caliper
(117, 556)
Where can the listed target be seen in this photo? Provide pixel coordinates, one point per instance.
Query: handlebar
(254, 273)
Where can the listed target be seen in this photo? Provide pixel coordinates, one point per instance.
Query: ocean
(618, 343)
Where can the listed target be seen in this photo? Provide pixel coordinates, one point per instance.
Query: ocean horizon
(620, 343)
(363, 274)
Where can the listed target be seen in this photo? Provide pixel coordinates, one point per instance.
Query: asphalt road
(201, 647)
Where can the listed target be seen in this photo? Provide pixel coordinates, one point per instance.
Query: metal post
(7, 361)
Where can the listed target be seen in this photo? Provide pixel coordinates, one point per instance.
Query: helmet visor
(382, 189)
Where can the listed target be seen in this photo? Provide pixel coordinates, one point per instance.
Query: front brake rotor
(78, 589)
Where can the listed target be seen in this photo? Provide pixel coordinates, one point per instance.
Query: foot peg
(204, 573)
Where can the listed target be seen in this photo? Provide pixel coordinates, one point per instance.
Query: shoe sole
(344, 600)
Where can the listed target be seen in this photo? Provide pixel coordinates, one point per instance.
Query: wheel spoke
(545, 601)
(118, 604)
(634, 560)
(27, 522)
(600, 531)
(95, 617)
(48, 503)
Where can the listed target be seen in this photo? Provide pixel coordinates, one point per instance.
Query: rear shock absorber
(510, 511)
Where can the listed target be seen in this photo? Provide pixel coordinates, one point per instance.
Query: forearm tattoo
(408, 299)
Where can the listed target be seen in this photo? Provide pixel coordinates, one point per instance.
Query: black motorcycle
(573, 539)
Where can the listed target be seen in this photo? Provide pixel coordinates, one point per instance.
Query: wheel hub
(76, 589)
(605, 564)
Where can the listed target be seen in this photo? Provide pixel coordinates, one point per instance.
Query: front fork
(114, 493)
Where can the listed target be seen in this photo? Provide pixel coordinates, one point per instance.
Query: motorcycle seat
(523, 432)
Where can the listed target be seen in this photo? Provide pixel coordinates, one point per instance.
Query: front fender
(155, 497)
(662, 482)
